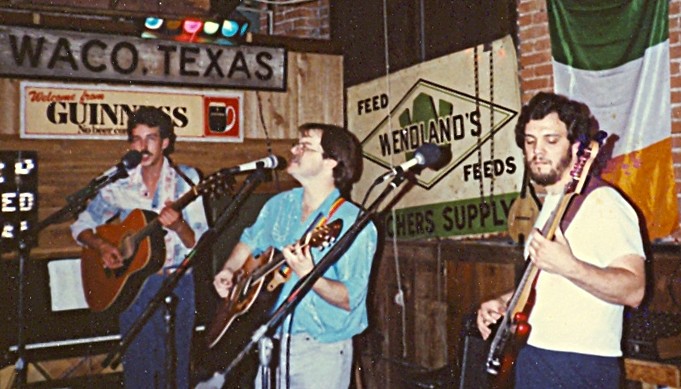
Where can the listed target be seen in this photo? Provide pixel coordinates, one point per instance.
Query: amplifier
(652, 335)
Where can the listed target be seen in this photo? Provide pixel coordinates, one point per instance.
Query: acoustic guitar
(249, 280)
(140, 240)
(523, 211)
(514, 329)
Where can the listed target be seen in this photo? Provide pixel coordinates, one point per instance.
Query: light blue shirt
(280, 224)
(121, 197)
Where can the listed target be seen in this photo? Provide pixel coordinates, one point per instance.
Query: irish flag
(613, 55)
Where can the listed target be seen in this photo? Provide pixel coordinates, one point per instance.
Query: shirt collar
(135, 175)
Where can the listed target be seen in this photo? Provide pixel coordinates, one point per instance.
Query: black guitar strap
(181, 173)
(576, 202)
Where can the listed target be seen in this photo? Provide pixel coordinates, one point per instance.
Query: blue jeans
(144, 362)
(543, 369)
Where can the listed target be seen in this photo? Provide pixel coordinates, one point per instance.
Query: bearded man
(588, 273)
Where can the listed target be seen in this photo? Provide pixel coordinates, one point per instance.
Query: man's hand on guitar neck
(551, 255)
(491, 311)
(172, 220)
(299, 259)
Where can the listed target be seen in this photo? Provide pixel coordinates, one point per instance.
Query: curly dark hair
(154, 117)
(580, 123)
(342, 146)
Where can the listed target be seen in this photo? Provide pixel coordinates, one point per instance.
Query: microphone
(428, 154)
(269, 162)
(130, 160)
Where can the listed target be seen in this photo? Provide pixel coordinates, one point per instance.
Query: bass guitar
(249, 280)
(140, 240)
(514, 328)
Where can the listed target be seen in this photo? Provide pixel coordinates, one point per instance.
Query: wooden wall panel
(444, 283)
(9, 114)
(167, 7)
(65, 166)
(315, 93)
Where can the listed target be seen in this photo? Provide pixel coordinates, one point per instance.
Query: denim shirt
(121, 197)
(280, 224)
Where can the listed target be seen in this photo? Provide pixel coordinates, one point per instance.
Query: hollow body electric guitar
(249, 281)
(140, 240)
(513, 330)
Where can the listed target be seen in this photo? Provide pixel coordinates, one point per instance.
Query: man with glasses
(316, 339)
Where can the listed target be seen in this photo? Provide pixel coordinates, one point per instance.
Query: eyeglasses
(304, 147)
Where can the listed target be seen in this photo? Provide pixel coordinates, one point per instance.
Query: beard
(555, 174)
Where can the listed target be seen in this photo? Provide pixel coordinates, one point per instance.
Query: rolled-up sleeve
(355, 270)
(97, 212)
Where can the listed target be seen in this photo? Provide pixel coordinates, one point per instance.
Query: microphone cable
(268, 141)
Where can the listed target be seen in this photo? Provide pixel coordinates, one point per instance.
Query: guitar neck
(186, 198)
(524, 287)
(526, 182)
(549, 229)
(178, 205)
(268, 268)
(273, 264)
(522, 291)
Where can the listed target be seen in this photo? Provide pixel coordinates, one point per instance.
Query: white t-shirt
(566, 317)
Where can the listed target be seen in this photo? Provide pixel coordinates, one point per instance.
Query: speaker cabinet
(474, 350)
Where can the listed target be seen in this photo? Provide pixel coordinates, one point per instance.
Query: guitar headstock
(323, 235)
(217, 184)
(588, 150)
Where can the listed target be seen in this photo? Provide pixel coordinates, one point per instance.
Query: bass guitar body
(517, 330)
(106, 288)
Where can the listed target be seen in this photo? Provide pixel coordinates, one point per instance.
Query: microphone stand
(75, 203)
(206, 240)
(304, 285)
(77, 200)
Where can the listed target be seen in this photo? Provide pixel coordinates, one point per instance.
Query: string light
(192, 26)
(226, 32)
(153, 23)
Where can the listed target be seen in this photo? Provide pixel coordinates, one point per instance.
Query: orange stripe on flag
(647, 177)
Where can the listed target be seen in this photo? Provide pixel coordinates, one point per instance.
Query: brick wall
(305, 20)
(534, 53)
(536, 73)
(675, 70)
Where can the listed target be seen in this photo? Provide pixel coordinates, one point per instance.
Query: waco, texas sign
(40, 53)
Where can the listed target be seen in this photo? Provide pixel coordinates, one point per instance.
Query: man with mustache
(153, 185)
(588, 272)
(316, 339)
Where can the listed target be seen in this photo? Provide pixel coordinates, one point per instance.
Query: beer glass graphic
(221, 117)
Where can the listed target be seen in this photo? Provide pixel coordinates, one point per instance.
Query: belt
(168, 270)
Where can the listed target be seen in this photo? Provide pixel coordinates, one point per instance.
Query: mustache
(146, 152)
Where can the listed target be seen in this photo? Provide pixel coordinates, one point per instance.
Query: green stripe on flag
(603, 34)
